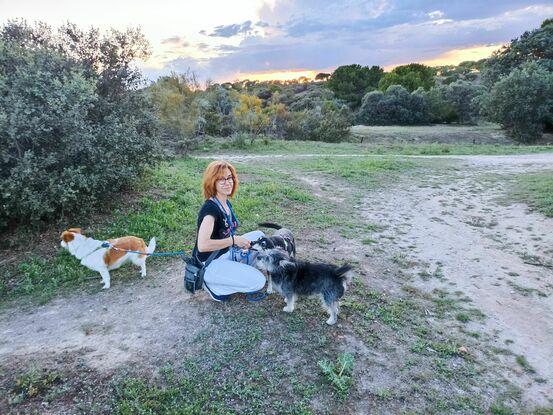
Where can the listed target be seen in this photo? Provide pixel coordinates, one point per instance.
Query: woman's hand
(241, 242)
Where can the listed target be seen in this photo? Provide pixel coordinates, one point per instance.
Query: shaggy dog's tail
(345, 274)
(269, 225)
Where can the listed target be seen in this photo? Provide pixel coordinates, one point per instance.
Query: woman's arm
(206, 244)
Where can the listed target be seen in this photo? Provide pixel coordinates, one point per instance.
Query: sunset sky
(283, 39)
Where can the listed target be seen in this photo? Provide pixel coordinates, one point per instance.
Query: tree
(220, 116)
(351, 82)
(465, 71)
(463, 97)
(394, 107)
(534, 46)
(522, 102)
(250, 115)
(321, 76)
(439, 110)
(411, 77)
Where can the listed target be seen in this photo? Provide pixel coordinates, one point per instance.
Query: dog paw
(288, 309)
(270, 290)
(331, 321)
(105, 287)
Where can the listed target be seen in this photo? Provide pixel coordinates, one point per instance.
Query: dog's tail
(151, 246)
(269, 225)
(345, 274)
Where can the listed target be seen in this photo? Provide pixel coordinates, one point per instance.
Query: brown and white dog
(103, 260)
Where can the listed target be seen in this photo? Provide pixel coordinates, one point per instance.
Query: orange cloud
(277, 75)
(456, 56)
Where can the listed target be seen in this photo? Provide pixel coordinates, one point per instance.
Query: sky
(226, 40)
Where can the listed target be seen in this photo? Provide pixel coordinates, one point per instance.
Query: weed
(521, 360)
(339, 375)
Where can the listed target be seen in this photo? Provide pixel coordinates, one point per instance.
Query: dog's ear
(288, 266)
(74, 230)
(67, 236)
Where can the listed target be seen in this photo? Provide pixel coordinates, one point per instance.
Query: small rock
(463, 349)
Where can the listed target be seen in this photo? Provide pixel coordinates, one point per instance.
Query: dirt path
(455, 224)
(129, 323)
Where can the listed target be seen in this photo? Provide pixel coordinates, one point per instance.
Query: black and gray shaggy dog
(293, 278)
(282, 238)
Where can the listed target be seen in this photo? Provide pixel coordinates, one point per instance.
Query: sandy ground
(456, 221)
(452, 219)
(125, 324)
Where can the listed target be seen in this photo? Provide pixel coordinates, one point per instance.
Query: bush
(463, 97)
(67, 141)
(439, 110)
(395, 107)
(522, 102)
(329, 123)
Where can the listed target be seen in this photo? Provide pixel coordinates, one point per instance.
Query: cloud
(436, 14)
(175, 41)
(313, 34)
(232, 30)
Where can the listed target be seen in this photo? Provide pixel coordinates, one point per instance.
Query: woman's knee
(253, 235)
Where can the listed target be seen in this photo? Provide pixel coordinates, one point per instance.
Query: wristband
(232, 236)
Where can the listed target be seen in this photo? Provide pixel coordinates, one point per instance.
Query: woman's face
(225, 183)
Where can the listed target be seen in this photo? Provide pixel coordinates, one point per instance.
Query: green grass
(536, 190)
(256, 359)
(269, 147)
(463, 317)
(521, 360)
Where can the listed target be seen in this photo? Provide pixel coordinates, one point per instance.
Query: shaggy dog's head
(262, 244)
(274, 261)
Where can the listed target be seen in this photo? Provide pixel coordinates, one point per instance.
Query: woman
(229, 272)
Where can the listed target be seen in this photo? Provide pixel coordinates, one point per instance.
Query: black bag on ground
(194, 271)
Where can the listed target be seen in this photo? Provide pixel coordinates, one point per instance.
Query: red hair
(214, 172)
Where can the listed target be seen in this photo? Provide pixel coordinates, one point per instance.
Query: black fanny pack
(194, 271)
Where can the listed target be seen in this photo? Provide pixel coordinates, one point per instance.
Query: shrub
(73, 127)
(522, 102)
(439, 110)
(463, 97)
(328, 123)
(394, 107)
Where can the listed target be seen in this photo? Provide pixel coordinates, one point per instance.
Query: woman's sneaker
(219, 298)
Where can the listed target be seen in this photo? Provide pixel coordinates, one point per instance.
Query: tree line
(78, 122)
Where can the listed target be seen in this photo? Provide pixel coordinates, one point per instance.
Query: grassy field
(260, 146)
(166, 207)
(397, 349)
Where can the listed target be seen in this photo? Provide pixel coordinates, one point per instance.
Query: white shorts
(224, 276)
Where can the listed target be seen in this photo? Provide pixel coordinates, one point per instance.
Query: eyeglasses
(222, 181)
